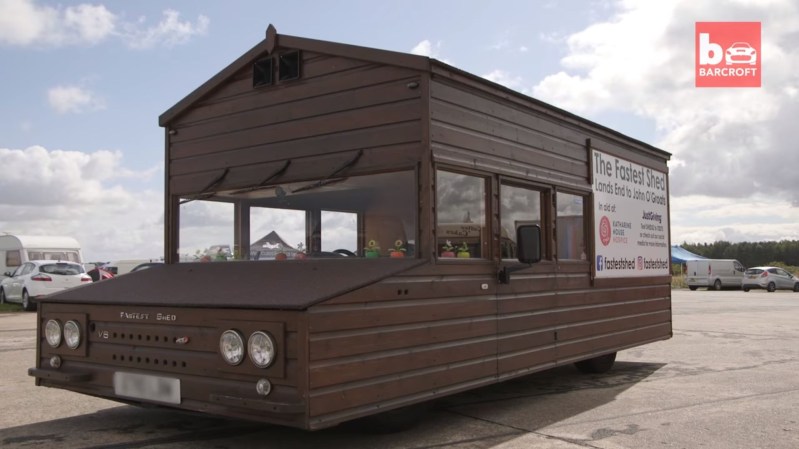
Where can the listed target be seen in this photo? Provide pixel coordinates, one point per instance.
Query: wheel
(717, 284)
(597, 365)
(345, 252)
(692, 288)
(795, 288)
(2, 296)
(771, 287)
(746, 289)
(27, 304)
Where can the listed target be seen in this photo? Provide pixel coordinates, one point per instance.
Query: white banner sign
(631, 232)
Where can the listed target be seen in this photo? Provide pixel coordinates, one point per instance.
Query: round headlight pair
(260, 347)
(53, 333)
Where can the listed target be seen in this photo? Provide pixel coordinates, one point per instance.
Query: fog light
(55, 361)
(72, 334)
(263, 387)
(52, 332)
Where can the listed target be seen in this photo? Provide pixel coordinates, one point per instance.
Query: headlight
(52, 332)
(261, 349)
(72, 334)
(231, 346)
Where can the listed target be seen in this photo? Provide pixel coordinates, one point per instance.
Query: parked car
(769, 278)
(99, 274)
(37, 278)
(146, 265)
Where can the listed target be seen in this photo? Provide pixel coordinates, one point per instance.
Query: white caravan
(714, 274)
(18, 249)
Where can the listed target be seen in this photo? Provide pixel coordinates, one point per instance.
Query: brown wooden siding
(473, 129)
(338, 106)
(407, 337)
(422, 335)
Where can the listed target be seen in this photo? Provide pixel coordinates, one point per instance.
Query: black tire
(597, 365)
(795, 287)
(692, 288)
(717, 285)
(746, 289)
(2, 296)
(771, 287)
(27, 304)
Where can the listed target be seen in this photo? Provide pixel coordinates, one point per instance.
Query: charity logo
(727, 54)
(605, 231)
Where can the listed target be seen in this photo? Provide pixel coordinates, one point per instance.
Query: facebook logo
(599, 263)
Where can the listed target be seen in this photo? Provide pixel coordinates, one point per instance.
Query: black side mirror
(528, 247)
(528, 240)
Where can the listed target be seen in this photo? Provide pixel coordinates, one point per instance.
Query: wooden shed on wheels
(456, 234)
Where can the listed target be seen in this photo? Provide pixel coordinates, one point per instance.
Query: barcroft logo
(727, 54)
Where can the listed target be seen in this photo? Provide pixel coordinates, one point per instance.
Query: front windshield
(356, 216)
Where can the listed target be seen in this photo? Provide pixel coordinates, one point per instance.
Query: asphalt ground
(728, 379)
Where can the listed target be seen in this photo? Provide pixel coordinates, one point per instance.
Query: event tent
(681, 255)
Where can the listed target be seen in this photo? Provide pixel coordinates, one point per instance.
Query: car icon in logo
(741, 53)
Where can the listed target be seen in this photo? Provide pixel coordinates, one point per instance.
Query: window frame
(489, 248)
(546, 192)
(586, 214)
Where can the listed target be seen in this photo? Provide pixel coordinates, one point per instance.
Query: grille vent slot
(148, 361)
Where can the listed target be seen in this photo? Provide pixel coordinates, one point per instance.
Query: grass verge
(8, 308)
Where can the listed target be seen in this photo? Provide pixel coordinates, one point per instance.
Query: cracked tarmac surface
(727, 380)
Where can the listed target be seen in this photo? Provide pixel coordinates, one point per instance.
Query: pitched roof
(273, 41)
(272, 239)
(415, 62)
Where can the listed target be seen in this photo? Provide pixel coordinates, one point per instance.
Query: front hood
(288, 284)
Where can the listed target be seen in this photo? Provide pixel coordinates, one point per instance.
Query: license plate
(150, 388)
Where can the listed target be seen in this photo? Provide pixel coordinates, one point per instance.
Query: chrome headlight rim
(261, 355)
(231, 347)
(53, 333)
(72, 335)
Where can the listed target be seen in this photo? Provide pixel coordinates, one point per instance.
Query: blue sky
(83, 84)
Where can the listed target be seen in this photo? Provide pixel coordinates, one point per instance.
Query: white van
(714, 273)
(18, 249)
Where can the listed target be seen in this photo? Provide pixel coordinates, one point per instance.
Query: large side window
(461, 215)
(518, 206)
(570, 233)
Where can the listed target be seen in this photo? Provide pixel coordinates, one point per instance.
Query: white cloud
(89, 23)
(423, 48)
(77, 194)
(170, 31)
(731, 145)
(26, 23)
(506, 79)
(73, 99)
(23, 22)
